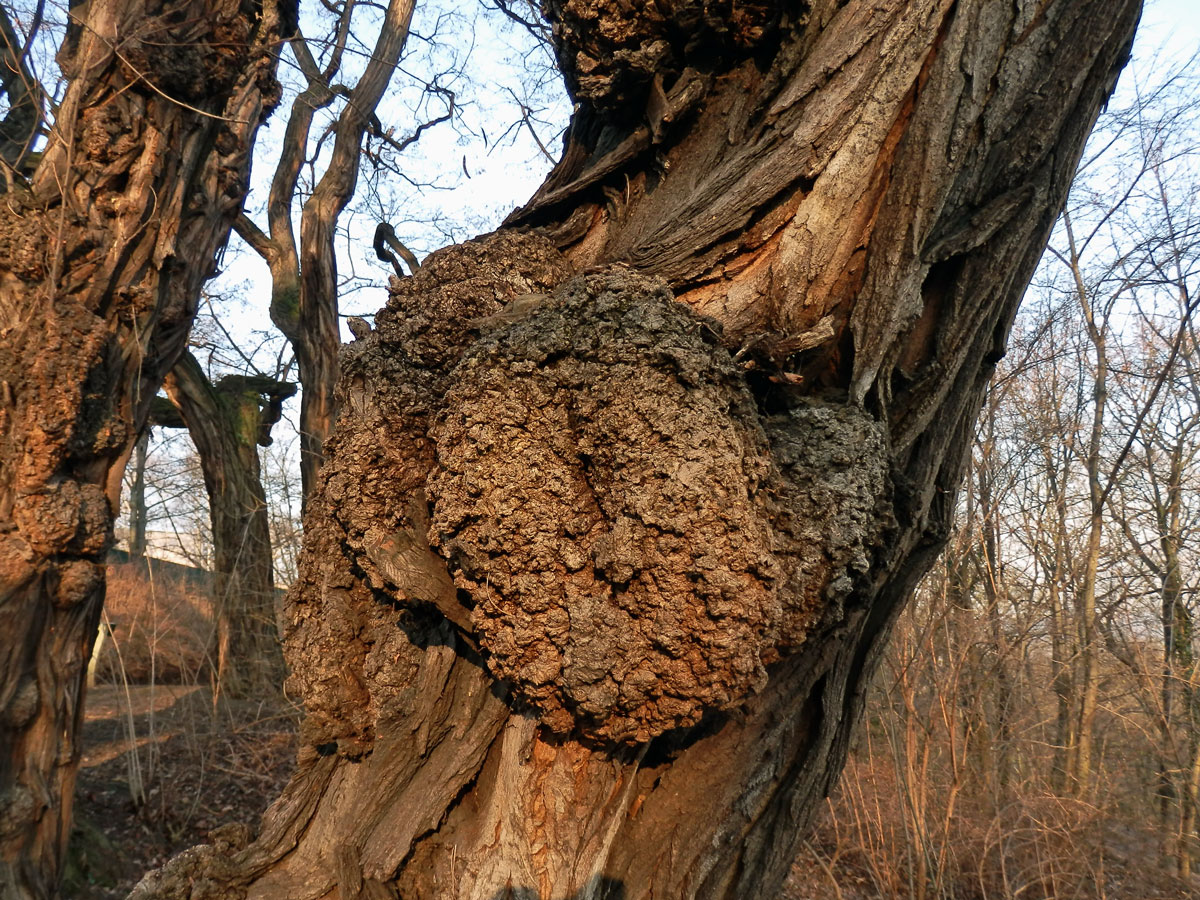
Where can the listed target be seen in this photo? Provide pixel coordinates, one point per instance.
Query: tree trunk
(137, 497)
(22, 122)
(1179, 700)
(593, 586)
(1054, 564)
(227, 422)
(1085, 669)
(104, 252)
(995, 740)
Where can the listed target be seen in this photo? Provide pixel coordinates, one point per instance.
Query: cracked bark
(680, 499)
(103, 253)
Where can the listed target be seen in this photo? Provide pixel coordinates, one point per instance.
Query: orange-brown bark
(625, 696)
(104, 252)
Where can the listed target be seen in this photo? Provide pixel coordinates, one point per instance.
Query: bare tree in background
(303, 261)
(228, 420)
(138, 515)
(1119, 245)
(962, 784)
(1158, 403)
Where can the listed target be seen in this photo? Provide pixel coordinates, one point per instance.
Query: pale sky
(504, 175)
(505, 172)
(1173, 23)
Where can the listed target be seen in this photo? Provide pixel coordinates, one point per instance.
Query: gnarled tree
(624, 499)
(304, 284)
(102, 253)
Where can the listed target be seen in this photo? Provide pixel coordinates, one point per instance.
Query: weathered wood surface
(102, 254)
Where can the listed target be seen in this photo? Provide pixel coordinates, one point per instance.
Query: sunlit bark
(104, 251)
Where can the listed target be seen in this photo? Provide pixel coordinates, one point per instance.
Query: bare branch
(385, 237)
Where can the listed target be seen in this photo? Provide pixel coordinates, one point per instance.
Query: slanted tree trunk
(103, 254)
(228, 421)
(593, 586)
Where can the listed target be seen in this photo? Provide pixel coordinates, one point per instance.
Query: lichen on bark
(831, 508)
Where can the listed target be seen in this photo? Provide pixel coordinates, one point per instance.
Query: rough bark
(228, 421)
(102, 253)
(618, 512)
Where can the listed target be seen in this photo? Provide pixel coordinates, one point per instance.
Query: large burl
(610, 53)
(587, 489)
(596, 493)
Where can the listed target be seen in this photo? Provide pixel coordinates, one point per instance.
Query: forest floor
(198, 767)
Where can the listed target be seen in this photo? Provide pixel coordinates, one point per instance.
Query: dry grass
(161, 626)
(1039, 847)
(933, 805)
(949, 794)
(163, 763)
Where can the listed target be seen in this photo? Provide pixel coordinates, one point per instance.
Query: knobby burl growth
(596, 493)
(611, 53)
(588, 490)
